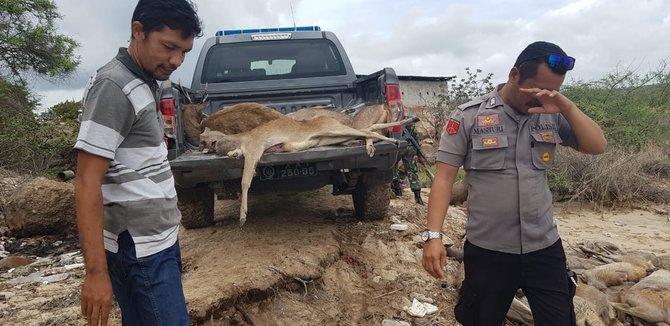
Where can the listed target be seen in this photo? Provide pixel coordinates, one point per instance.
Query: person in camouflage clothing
(409, 162)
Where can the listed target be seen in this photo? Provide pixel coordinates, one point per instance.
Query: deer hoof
(371, 150)
(235, 153)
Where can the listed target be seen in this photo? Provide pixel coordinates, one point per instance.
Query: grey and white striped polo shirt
(120, 122)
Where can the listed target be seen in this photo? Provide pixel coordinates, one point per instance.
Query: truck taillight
(394, 100)
(166, 106)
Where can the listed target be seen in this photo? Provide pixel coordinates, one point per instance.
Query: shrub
(64, 111)
(613, 178)
(28, 145)
(631, 108)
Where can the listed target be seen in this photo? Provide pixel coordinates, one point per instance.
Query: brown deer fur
(230, 120)
(240, 117)
(192, 116)
(313, 112)
(288, 135)
(612, 274)
(649, 299)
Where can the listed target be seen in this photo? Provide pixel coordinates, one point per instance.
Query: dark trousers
(492, 278)
(148, 289)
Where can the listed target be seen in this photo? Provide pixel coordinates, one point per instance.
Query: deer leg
(297, 146)
(341, 135)
(369, 147)
(390, 124)
(251, 158)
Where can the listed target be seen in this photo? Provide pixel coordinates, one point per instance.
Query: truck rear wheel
(372, 195)
(196, 206)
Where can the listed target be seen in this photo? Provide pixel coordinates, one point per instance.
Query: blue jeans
(148, 289)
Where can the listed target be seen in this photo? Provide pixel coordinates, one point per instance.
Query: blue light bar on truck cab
(269, 30)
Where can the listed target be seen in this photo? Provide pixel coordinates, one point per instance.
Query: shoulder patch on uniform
(452, 126)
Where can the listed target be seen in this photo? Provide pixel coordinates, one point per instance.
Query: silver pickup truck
(287, 69)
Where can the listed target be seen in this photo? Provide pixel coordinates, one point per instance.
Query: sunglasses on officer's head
(557, 61)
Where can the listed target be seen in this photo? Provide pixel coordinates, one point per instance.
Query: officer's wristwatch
(429, 235)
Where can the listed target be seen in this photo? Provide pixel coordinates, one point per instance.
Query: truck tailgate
(203, 168)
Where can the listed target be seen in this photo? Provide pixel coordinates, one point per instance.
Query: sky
(437, 38)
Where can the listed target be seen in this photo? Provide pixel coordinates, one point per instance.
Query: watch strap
(434, 235)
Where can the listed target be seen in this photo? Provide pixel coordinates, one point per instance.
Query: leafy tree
(29, 41)
(460, 91)
(64, 111)
(467, 88)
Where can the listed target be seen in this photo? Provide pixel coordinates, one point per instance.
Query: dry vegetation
(615, 178)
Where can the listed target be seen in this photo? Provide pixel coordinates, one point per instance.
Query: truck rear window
(267, 60)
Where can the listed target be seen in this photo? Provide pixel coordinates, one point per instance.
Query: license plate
(286, 171)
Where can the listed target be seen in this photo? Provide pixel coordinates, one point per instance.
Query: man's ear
(514, 75)
(137, 30)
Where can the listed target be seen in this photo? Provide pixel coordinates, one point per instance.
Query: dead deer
(599, 302)
(649, 299)
(370, 115)
(230, 120)
(318, 111)
(240, 117)
(288, 135)
(192, 116)
(613, 274)
(363, 118)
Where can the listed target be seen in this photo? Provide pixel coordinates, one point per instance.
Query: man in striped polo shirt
(126, 200)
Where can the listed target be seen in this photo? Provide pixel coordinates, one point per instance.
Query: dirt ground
(302, 259)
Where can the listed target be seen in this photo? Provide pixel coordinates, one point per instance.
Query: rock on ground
(41, 207)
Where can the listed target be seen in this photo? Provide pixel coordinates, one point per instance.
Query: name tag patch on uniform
(489, 141)
(546, 156)
(452, 126)
(542, 127)
(488, 130)
(488, 120)
(548, 137)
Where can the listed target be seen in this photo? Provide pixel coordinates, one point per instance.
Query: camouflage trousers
(410, 172)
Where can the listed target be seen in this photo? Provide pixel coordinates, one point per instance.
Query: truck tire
(372, 195)
(196, 206)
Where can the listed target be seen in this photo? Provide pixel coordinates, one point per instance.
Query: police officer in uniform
(506, 141)
(409, 162)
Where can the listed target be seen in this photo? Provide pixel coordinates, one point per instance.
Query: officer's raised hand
(548, 101)
(590, 137)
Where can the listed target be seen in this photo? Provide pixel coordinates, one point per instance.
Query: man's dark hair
(175, 14)
(533, 56)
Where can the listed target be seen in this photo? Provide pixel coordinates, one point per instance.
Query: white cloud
(415, 37)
